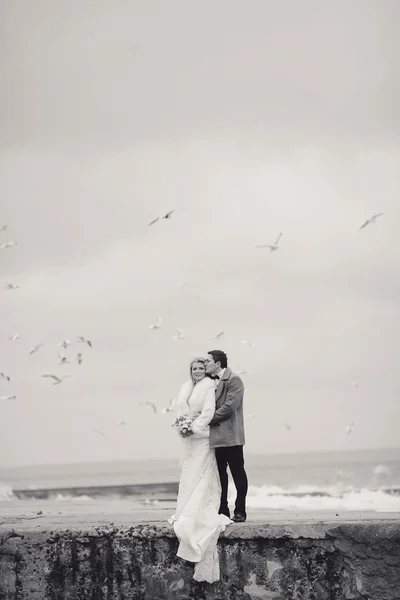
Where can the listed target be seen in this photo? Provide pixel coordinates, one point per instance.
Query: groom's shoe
(239, 518)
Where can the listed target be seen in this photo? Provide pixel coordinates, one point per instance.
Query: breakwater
(276, 556)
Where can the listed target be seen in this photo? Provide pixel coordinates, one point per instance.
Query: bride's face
(198, 371)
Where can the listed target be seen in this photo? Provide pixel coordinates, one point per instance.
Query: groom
(227, 432)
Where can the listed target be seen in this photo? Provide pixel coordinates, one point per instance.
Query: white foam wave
(311, 499)
(6, 493)
(70, 498)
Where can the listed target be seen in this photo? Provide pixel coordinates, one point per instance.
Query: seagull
(8, 245)
(288, 427)
(15, 337)
(170, 406)
(349, 428)
(243, 373)
(57, 380)
(4, 376)
(371, 220)
(179, 335)
(156, 325)
(35, 348)
(11, 286)
(3, 228)
(166, 216)
(182, 284)
(220, 334)
(81, 340)
(121, 423)
(63, 360)
(12, 397)
(272, 247)
(79, 357)
(247, 343)
(251, 415)
(100, 432)
(65, 344)
(153, 406)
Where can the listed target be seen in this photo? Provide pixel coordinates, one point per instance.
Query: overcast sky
(250, 118)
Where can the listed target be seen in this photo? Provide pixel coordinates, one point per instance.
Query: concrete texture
(76, 555)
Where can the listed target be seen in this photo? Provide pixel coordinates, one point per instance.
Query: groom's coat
(227, 425)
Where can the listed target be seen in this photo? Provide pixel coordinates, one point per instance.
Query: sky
(249, 119)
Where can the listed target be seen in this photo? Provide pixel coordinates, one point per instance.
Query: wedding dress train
(196, 521)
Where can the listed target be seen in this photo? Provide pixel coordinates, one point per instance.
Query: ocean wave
(301, 497)
(307, 498)
(6, 493)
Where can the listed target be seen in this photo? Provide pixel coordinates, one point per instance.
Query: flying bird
(8, 245)
(57, 380)
(381, 470)
(288, 427)
(4, 376)
(35, 348)
(247, 343)
(153, 406)
(157, 324)
(252, 415)
(63, 360)
(81, 340)
(272, 247)
(11, 286)
(166, 216)
(15, 337)
(220, 334)
(121, 423)
(243, 373)
(179, 335)
(65, 344)
(349, 428)
(100, 432)
(11, 397)
(371, 220)
(79, 358)
(170, 406)
(3, 228)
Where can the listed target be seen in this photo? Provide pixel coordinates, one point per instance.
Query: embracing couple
(210, 423)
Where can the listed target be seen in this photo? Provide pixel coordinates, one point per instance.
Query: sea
(359, 480)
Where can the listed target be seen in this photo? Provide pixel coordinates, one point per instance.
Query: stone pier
(132, 556)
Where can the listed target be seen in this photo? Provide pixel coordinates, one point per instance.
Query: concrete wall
(300, 561)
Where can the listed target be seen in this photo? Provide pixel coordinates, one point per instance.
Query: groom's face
(212, 367)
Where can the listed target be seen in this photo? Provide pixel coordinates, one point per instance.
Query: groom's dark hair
(219, 356)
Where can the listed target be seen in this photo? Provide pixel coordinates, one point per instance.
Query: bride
(196, 521)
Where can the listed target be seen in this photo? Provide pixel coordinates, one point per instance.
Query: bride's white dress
(196, 521)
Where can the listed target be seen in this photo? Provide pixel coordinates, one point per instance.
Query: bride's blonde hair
(198, 359)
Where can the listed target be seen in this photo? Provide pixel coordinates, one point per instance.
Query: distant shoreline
(281, 456)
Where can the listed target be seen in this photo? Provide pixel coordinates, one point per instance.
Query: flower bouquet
(183, 425)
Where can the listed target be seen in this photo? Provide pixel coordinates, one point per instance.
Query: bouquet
(183, 425)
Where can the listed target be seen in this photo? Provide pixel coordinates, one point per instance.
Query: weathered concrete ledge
(270, 557)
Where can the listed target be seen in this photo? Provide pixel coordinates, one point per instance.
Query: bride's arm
(207, 413)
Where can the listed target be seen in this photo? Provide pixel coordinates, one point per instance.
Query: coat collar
(220, 386)
(189, 391)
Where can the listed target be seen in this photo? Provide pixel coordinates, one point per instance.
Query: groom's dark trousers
(232, 456)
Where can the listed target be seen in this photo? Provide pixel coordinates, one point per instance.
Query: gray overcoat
(227, 425)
